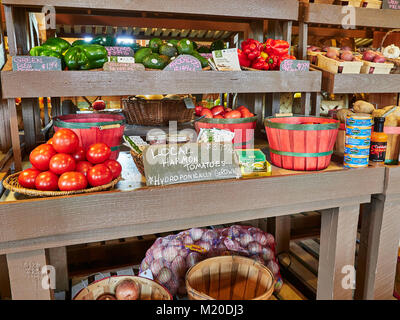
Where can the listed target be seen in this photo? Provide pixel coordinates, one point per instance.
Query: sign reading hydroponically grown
(190, 162)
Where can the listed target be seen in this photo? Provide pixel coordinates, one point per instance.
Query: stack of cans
(358, 140)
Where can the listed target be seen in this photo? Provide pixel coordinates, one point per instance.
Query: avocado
(203, 61)
(174, 42)
(217, 45)
(154, 61)
(204, 49)
(155, 44)
(165, 58)
(141, 54)
(195, 46)
(168, 50)
(185, 46)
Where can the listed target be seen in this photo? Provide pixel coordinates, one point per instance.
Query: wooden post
(379, 244)
(5, 292)
(12, 109)
(316, 103)
(29, 122)
(58, 259)
(5, 135)
(337, 253)
(25, 275)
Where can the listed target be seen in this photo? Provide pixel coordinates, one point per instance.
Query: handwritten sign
(30, 63)
(184, 62)
(190, 162)
(295, 65)
(391, 4)
(120, 51)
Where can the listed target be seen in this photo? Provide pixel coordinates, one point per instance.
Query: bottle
(378, 141)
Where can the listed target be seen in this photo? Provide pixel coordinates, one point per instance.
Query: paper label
(226, 60)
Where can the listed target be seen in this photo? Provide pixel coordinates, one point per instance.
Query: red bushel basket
(301, 143)
(94, 128)
(243, 129)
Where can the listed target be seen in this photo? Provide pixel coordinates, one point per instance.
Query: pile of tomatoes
(61, 164)
(220, 112)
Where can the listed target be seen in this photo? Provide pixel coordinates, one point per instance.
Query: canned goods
(358, 121)
(356, 160)
(358, 131)
(358, 141)
(356, 150)
(353, 166)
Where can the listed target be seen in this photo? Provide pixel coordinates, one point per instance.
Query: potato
(342, 114)
(391, 121)
(360, 114)
(378, 113)
(363, 107)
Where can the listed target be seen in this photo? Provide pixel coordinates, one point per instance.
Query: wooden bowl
(148, 289)
(229, 278)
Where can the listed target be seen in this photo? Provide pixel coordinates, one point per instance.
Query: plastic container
(296, 144)
(94, 128)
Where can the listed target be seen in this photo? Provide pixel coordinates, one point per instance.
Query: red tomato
(41, 155)
(245, 113)
(83, 167)
(70, 181)
(79, 154)
(218, 116)
(50, 141)
(46, 181)
(61, 163)
(207, 113)
(99, 175)
(228, 110)
(240, 108)
(98, 153)
(27, 178)
(99, 105)
(198, 110)
(217, 110)
(65, 141)
(233, 115)
(115, 168)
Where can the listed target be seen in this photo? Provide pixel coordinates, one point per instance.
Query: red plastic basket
(243, 129)
(94, 128)
(301, 143)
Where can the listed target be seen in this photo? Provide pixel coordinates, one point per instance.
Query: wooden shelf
(256, 9)
(101, 83)
(360, 83)
(365, 17)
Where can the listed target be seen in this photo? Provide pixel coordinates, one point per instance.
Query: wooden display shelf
(360, 83)
(256, 9)
(364, 17)
(103, 83)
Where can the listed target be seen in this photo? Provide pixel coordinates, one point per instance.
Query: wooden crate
(318, 1)
(335, 66)
(376, 68)
(352, 3)
(374, 4)
(313, 57)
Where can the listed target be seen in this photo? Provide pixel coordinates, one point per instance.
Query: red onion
(369, 55)
(127, 290)
(347, 56)
(332, 53)
(99, 105)
(345, 48)
(379, 59)
(106, 296)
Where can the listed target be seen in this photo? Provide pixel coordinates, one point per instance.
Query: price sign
(30, 63)
(391, 4)
(120, 51)
(184, 62)
(190, 162)
(295, 65)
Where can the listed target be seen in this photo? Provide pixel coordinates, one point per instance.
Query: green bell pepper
(58, 45)
(106, 41)
(85, 57)
(43, 51)
(78, 43)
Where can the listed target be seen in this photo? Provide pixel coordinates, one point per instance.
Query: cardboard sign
(391, 4)
(226, 60)
(30, 63)
(295, 65)
(190, 162)
(184, 62)
(120, 51)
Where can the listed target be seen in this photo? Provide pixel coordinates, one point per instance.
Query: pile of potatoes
(363, 108)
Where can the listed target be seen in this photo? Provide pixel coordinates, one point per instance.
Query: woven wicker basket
(138, 159)
(156, 112)
(11, 183)
(148, 289)
(396, 61)
(229, 278)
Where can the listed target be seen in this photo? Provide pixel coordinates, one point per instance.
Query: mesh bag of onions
(170, 257)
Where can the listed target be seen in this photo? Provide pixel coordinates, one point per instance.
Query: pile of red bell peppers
(264, 56)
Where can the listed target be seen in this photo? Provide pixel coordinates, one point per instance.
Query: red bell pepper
(252, 49)
(260, 64)
(276, 47)
(243, 60)
(273, 62)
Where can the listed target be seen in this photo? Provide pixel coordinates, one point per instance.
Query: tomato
(98, 153)
(79, 154)
(218, 116)
(83, 167)
(217, 110)
(61, 163)
(46, 181)
(198, 110)
(99, 175)
(245, 113)
(71, 181)
(241, 108)
(65, 141)
(233, 115)
(228, 110)
(50, 141)
(207, 113)
(115, 168)
(27, 178)
(41, 155)
(99, 105)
